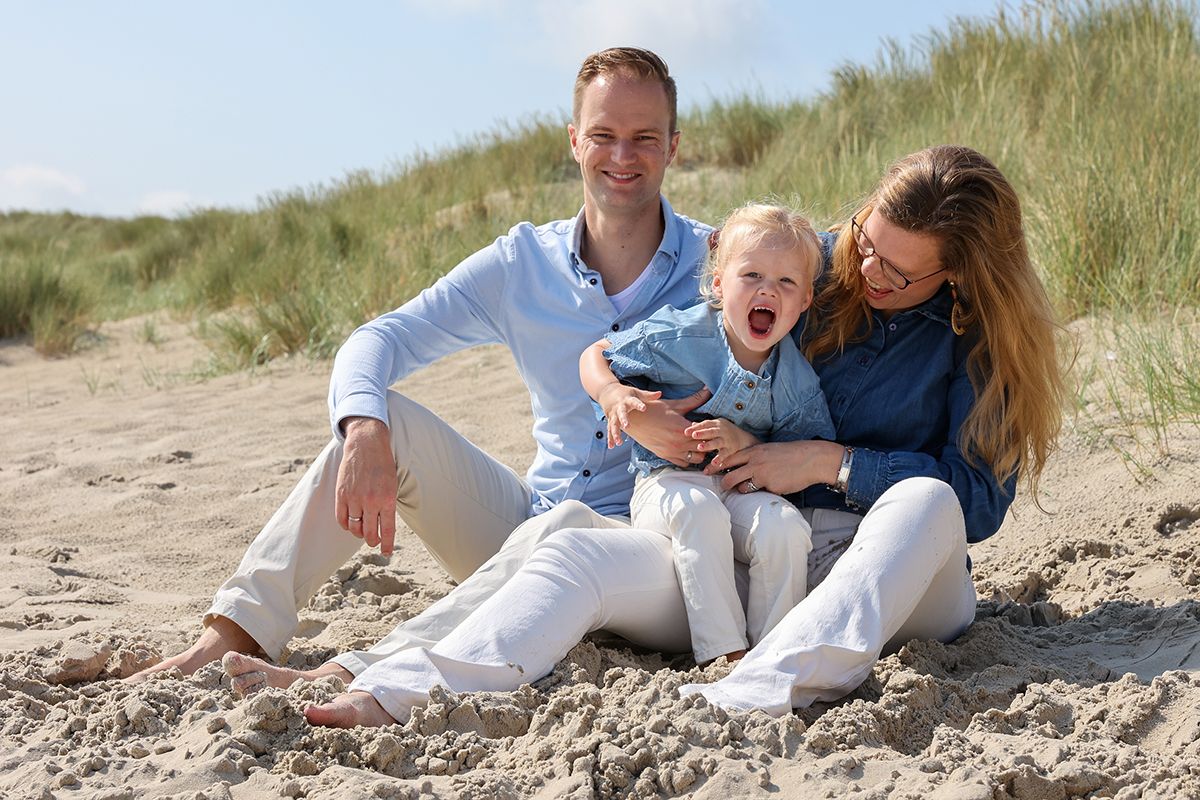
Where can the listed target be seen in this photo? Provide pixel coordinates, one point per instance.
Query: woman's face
(914, 255)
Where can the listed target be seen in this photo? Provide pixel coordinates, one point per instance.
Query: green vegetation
(1089, 107)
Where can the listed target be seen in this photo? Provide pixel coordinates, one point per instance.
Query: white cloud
(166, 203)
(35, 187)
(688, 33)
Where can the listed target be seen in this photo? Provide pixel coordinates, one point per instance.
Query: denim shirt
(899, 398)
(679, 352)
(532, 291)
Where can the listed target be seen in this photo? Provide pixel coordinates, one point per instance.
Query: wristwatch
(842, 484)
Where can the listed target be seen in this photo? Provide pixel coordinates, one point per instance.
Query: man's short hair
(634, 61)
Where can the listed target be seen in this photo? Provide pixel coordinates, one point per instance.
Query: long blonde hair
(957, 195)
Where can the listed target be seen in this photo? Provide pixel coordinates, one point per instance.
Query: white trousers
(875, 581)
(709, 528)
(460, 501)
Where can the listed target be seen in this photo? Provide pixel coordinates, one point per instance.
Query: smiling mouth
(762, 320)
(622, 176)
(875, 287)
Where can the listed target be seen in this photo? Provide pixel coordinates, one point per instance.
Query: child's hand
(617, 401)
(720, 435)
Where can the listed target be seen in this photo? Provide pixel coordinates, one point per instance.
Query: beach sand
(130, 485)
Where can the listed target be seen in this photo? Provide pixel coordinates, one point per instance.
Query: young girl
(757, 281)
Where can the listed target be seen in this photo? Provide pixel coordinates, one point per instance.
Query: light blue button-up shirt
(531, 291)
(680, 352)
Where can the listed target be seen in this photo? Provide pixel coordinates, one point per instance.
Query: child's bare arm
(615, 398)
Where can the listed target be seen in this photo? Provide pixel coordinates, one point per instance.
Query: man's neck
(620, 247)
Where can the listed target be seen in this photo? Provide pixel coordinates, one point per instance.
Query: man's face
(623, 143)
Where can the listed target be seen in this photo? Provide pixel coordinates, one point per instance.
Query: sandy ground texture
(130, 484)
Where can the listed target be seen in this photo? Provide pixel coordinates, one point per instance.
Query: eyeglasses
(866, 249)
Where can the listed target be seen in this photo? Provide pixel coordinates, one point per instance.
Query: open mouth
(761, 320)
(622, 177)
(876, 290)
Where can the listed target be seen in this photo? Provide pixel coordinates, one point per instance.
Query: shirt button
(587, 473)
(892, 327)
(749, 384)
(599, 434)
(864, 360)
(592, 281)
(739, 406)
(616, 326)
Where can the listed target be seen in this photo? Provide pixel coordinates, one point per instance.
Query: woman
(934, 342)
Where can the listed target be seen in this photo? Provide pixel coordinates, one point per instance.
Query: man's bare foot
(348, 710)
(222, 636)
(248, 674)
(731, 658)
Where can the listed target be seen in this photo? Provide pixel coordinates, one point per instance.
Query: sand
(131, 481)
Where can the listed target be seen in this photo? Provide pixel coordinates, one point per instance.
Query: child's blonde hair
(756, 225)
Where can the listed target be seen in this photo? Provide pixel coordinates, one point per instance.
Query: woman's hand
(660, 428)
(779, 467)
(720, 435)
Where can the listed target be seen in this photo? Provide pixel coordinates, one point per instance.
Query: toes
(248, 683)
(331, 715)
(236, 664)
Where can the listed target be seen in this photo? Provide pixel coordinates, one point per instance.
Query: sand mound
(130, 488)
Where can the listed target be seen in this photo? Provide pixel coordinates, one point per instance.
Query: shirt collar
(671, 243)
(938, 307)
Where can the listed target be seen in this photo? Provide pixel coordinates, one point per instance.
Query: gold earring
(955, 325)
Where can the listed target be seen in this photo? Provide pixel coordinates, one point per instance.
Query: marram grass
(1090, 108)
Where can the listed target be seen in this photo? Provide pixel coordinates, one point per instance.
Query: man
(546, 292)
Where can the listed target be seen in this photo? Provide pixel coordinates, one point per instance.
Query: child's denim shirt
(680, 352)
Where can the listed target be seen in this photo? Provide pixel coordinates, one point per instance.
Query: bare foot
(248, 674)
(349, 710)
(222, 636)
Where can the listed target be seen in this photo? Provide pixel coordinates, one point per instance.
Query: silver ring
(354, 519)
(751, 486)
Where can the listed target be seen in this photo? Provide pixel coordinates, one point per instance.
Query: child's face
(763, 290)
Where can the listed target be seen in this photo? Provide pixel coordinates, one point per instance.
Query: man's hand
(720, 435)
(660, 428)
(617, 401)
(366, 484)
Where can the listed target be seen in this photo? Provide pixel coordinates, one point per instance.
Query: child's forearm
(594, 371)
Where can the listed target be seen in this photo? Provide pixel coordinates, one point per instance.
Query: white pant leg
(774, 539)
(460, 501)
(909, 556)
(575, 581)
(438, 620)
(686, 505)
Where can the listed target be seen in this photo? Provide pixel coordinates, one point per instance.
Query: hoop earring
(955, 312)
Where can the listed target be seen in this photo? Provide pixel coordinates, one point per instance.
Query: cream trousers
(710, 528)
(460, 501)
(875, 582)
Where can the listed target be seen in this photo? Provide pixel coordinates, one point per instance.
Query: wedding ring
(354, 519)
(751, 486)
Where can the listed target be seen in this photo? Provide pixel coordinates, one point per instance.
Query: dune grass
(1090, 108)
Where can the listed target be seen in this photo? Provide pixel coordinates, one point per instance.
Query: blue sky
(126, 107)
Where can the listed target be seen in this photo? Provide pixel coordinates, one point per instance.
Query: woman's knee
(922, 506)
